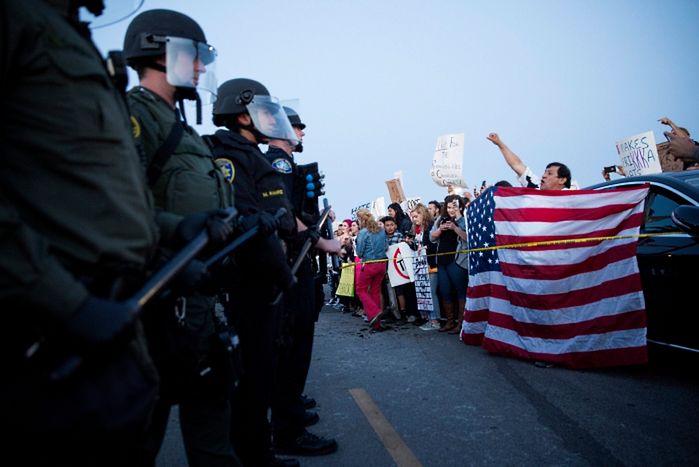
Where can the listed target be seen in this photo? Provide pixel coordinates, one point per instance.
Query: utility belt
(113, 388)
(193, 345)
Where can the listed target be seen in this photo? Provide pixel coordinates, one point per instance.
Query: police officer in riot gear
(251, 116)
(75, 220)
(289, 416)
(169, 51)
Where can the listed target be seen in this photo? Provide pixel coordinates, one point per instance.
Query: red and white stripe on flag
(575, 304)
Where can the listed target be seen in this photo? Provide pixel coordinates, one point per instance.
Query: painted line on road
(394, 444)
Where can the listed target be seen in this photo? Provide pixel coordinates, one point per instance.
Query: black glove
(265, 222)
(99, 321)
(311, 234)
(213, 221)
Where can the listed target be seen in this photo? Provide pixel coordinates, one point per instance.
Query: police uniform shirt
(257, 185)
(72, 193)
(190, 180)
(285, 166)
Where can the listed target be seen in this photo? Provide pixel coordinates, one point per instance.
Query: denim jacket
(371, 245)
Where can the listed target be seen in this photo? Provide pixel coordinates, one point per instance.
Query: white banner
(411, 203)
(400, 264)
(423, 289)
(448, 161)
(376, 207)
(639, 154)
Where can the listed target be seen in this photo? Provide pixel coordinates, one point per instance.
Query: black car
(669, 264)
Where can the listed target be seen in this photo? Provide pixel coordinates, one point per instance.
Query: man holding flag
(571, 296)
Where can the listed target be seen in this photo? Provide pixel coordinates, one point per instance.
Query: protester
(453, 279)
(371, 248)
(403, 222)
(556, 176)
(422, 222)
(681, 146)
(404, 293)
(619, 169)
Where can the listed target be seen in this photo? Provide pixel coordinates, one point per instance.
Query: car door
(668, 261)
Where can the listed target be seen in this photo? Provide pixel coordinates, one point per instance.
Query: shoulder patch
(135, 127)
(227, 168)
(282, 165)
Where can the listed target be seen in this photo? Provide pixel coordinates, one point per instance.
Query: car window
(659, 206)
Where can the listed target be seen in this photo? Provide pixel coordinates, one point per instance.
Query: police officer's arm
(323, 244)
(29, 273)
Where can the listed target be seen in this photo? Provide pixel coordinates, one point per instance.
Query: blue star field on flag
(481, 233)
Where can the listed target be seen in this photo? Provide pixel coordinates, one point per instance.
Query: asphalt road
(436, 402)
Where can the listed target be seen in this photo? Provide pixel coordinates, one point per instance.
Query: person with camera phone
(619, 169)
(448, 233)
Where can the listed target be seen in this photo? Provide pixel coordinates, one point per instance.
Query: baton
(304, 250)
(242, 238)
(136, 303)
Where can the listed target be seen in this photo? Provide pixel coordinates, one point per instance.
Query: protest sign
(448, 161)
(395, 190)
(345, 287)
(412, 202)
(376, 207)
(400, 264)
(423, 289)
(639, 154)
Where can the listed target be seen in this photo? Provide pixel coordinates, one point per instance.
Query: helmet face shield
(115, 11)
(190, 64)
(270, 119)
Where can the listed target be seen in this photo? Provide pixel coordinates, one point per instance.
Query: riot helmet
(295, 120)
(247, 96)
(294, 117)
(188, 58)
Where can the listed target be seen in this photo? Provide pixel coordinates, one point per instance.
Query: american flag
(574, 304)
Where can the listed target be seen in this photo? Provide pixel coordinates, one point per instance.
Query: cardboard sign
(346, 285)
(400, 264)
(448, 161)
(639, 154)
(395, 190)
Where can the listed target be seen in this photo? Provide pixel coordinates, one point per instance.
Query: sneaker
(307, 444)
(429, 326)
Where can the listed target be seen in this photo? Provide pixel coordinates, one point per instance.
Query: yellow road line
(394, 444)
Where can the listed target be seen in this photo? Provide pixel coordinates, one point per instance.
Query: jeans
(435, 313)
(453, 282)
(369, 287)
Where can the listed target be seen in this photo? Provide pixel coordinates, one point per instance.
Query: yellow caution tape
(529, 244)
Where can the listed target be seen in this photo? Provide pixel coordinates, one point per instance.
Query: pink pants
(369, 287)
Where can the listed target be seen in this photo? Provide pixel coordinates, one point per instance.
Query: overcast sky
(378, 81)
